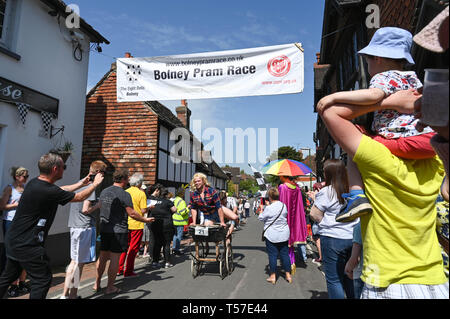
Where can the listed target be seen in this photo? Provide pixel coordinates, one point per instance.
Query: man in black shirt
(24, 242)
(117, 205)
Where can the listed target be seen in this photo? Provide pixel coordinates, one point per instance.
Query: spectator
(135, 228)
(25, 239)
(82, 223)
(229, 213)
(162, 227)
(247, 209)
(291, 196)
(180, 219)
(402, 193)
(335, 237)
(240, 211)
(354, 264)
(116, 206)
(9, 203)
(386, 56)
(153, 193)
(435, 37)
(315, 227)
(231, 204)
(276, 234)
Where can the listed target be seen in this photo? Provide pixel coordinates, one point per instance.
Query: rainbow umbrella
(285, 167)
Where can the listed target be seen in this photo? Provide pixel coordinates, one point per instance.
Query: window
(9, 24)
(4, 17)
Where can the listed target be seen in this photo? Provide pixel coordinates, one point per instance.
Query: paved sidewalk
(88, 275)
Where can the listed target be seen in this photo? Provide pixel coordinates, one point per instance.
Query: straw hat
(429, 38)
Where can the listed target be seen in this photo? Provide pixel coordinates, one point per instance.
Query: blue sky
(160, 28)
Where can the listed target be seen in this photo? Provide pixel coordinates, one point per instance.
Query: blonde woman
(8, 204)
(205, 200)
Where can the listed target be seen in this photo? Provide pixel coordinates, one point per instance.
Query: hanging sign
(258, 71)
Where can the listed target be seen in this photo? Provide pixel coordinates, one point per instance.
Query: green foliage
(286, 152)
(231, 190)
(249, 185)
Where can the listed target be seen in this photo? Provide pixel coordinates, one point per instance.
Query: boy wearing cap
(386, 56)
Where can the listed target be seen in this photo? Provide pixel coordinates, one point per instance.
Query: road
(248, 280)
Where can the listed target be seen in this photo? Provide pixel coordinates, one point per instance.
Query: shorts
(214, 217)
(406, 291)
(114, 242)
(83, 244)
(146, 234)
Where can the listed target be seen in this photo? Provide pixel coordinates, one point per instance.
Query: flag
(259, 178)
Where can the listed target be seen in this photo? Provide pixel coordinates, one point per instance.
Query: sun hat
(390, 42)
(428, 38)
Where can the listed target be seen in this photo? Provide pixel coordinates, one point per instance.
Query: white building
(44, 56)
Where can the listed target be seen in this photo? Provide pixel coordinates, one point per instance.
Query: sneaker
(120, 273)
(168, 265)
(356, 206)
(13, 291)
(317, 261)
(133, 274)
(155, 265)
(177, 252)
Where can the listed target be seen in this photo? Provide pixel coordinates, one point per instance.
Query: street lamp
(310, 174)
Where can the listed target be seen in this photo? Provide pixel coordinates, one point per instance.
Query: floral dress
(389, 123)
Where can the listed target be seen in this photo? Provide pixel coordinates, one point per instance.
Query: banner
(258, 71)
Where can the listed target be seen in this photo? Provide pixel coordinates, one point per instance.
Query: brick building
(136, 136)
(344, 33)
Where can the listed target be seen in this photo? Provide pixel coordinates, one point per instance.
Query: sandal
(113, 292)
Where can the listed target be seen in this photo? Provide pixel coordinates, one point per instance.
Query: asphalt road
(248, 280)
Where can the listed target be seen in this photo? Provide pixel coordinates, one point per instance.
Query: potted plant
(64, 151)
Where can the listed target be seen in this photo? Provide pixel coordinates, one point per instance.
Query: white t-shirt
(327, 202)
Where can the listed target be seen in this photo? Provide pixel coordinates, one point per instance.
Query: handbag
(262, 235)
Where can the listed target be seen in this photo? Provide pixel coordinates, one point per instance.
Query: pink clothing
(296, 213)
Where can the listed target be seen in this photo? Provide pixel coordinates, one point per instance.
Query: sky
(162, 28)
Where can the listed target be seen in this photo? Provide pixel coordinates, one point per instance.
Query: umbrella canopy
(285, 167)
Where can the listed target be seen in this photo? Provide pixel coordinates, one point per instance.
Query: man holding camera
(25, 240)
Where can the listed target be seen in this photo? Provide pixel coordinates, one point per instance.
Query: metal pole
(310, 176)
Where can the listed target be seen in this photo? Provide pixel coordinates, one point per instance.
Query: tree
(231, 188)
(286, 152)
(249, 185)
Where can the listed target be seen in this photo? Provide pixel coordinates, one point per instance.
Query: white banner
(258, 71)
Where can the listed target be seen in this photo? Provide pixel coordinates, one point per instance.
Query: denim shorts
(214, 217)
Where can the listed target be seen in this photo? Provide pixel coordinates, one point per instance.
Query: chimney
(127, 55)
(184, 114)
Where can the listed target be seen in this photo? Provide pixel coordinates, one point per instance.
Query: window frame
(5, 27)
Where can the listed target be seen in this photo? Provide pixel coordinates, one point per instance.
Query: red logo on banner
(279, 66)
